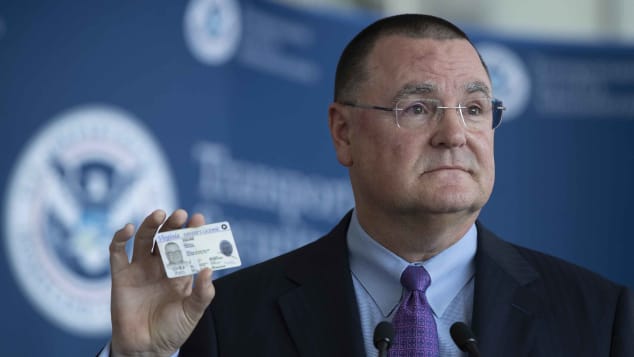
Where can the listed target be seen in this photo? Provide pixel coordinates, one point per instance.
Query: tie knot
(415, 277)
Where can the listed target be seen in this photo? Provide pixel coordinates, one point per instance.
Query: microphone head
(383, 333)
(462, 336)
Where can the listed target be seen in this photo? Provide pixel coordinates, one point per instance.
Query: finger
(175, 221)
(118, 255)
(197, 220)
(202, 294)
(145, 235)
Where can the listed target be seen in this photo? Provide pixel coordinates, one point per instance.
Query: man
(413, 120)
(174, 257)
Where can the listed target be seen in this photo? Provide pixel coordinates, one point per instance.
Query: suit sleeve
(623, 329)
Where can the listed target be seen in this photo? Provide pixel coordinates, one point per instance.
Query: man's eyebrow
(478, 86)
(415, 88)
(427, 88)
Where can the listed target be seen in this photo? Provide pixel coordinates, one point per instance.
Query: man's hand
(153, 315)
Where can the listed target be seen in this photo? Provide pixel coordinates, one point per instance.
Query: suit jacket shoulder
(533, 304)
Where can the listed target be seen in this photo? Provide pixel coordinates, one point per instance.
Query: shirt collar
(379, 270)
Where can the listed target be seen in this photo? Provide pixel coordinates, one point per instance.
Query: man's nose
(450, 127)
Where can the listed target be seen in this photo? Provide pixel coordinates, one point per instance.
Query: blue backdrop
(108, 111)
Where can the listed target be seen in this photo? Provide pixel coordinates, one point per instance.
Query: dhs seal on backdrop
(81, 178)
(509, 75)
(213, 29)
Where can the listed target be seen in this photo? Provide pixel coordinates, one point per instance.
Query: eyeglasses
(477, 113)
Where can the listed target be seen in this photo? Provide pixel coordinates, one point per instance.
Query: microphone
(464, 338)
(383, 336)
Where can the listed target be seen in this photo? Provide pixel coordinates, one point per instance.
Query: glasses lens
(477, 112)
(413, 113)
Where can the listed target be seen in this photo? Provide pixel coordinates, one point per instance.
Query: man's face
(440, 168)
(173, 253)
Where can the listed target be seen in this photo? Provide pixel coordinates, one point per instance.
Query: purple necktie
(415, 332)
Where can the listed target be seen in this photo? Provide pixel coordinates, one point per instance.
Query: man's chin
(453, 202)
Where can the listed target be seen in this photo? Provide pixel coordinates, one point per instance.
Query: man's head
(352, 67)
(173, 253)
(444, 166)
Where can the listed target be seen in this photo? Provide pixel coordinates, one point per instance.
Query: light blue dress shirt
(376, 275)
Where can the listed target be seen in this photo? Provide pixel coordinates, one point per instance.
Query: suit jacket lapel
(506, 304)
(321, 312)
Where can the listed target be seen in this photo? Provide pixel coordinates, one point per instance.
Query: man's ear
(339, 124)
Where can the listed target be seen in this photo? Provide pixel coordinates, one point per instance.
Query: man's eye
(474, 110)
(417, 109)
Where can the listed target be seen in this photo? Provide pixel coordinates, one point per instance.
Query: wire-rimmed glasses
(476, 113)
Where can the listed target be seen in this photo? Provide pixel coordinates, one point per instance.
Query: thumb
(201, 296)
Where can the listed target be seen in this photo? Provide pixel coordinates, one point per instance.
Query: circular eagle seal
(213, 29)
(511, 81)
(79, 179)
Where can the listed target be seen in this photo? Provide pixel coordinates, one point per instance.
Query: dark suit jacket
(525, 304)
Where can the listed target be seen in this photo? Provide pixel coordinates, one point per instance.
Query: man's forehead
(426, 46)
(429, 65)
